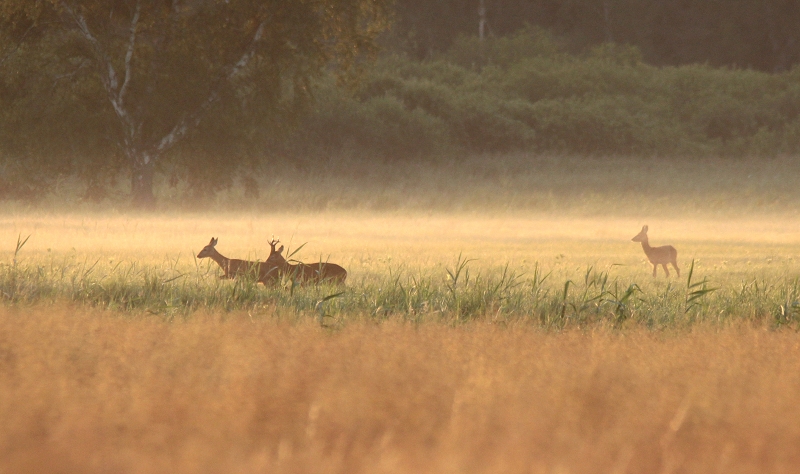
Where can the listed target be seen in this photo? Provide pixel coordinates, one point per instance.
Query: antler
(273, 243)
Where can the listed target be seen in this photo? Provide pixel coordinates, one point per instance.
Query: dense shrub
(380, 124)
(518, 93)
(524, 93)
(602, 125)
(471, 53)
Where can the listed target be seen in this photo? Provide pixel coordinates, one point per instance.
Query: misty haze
(399, 236)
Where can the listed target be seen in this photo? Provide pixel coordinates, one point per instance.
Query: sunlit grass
(480, 339)
(89, 391)
(548, 271)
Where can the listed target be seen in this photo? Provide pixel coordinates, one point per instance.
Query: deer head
(272, 244)
(641, 236)
(275, 255)
(208, 250)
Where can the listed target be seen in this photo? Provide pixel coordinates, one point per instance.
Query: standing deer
(658, 255)
(234, 267)
(321, 272)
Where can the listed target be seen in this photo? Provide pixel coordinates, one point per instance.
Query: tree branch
(70, 75)
(192, 120)
(109, 79)
(129, 54)
(17, 45)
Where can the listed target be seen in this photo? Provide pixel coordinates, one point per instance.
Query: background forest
(208, 95)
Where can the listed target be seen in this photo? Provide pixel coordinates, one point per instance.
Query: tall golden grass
(714, 389)
(85, 391)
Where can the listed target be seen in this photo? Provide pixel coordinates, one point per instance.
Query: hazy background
(479, 168)
(580, 105)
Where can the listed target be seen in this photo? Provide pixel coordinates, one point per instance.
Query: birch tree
(167, 67)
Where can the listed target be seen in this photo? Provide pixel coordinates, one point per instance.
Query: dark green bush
(524, 93)
(471, 53)
(517, 93)
(379, 124)
(604, 125)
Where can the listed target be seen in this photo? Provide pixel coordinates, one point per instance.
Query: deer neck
(277, 261)
(646, 246)
(221, 260)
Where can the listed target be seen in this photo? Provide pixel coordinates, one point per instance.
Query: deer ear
(213, 242)
(280, 249)
(644, 228)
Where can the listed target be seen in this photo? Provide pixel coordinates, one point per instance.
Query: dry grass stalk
(88, 391)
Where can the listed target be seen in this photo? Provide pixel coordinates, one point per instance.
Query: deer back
(324, 272)
(234, 267)
(301, 272)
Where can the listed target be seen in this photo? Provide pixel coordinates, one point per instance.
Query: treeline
(524, 92)
(758, 34)
(91, 87)
(435, 90)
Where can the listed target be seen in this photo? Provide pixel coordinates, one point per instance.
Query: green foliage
(524, 93)
(180, 79)
(472, 53)
(454, 295)
(381, 125)
(758, 34)
(696, 291)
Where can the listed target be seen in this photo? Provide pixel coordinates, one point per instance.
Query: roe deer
(234, 267)
(321, 272)
(658, 255)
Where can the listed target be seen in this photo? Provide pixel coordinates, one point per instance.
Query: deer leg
(655, 267)
(664, 266)
(675, 264)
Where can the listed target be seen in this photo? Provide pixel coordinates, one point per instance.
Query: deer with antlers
(233, 267)
(322, 272)
(658, 255)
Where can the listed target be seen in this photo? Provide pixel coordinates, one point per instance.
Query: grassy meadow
(92, 391)
(495, 319)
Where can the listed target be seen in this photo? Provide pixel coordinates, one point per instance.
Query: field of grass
(89, 391)
(551, 271)
(498, 337)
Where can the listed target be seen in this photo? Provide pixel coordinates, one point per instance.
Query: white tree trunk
(482, 20)
(141, 155)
